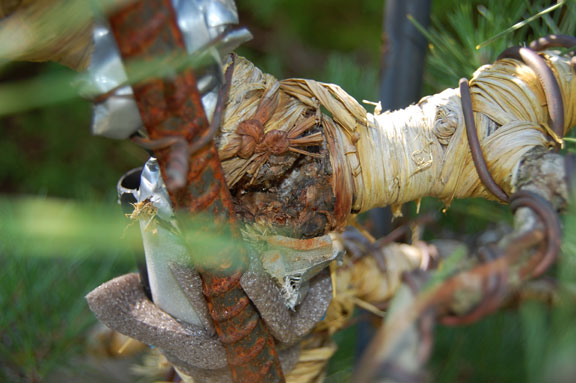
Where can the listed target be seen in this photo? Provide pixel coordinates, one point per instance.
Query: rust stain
(300, 244)
(275, 257)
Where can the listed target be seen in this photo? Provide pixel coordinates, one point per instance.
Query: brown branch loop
(180, 149)
(218, 111)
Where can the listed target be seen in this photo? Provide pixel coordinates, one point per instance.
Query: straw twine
(397, 157)
(47, 30)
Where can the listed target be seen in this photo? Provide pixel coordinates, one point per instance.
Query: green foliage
(320, 22)
(52, 252)
(51, 227)
(43, 309)
(550, 333)
(487, 351)
(50, 151)
(359, 81)
(340, 365)
(454, 35)
(317, 39)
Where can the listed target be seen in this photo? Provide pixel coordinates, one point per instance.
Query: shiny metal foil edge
(116, 116)
(161, 245)
(292, 269)
(201, 22)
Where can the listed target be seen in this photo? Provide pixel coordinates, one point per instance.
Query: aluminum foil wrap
(206, 25)
(161, 245)
(291, 262)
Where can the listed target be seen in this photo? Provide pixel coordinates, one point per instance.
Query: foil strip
(161, 245)
(152, 188)
(291, 262)
(206, 26)
(116, 116)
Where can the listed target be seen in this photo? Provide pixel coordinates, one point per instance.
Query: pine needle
(125, 345)
(369, 307)
(520, 24)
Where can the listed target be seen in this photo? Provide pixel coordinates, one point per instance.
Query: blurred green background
(62, 232)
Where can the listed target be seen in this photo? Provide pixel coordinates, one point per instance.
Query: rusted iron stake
(172, 111)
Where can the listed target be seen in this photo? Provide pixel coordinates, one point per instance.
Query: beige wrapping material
(311, 367)
(364, 283)
(396, 157)
(48, 30)
(373, 285)
(423, 150)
